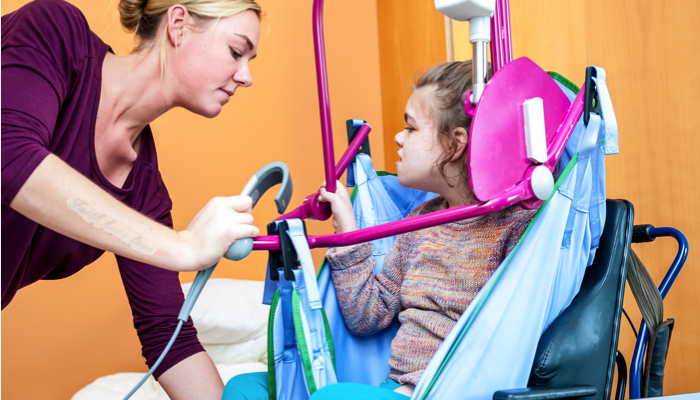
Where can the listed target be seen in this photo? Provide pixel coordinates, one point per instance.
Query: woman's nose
(243, 76)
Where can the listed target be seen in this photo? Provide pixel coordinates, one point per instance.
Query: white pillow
(229, 311)
(254, 351)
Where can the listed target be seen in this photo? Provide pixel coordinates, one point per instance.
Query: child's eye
(235, 54)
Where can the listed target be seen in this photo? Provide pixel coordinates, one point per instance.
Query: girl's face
(212, 61)
(419, 147)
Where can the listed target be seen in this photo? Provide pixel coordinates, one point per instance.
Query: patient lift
(517, 169)
(580, 237)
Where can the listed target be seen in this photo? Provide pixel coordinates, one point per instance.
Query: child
(431, 275)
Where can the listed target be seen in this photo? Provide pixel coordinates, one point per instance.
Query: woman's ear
(177, 18)
(462, 137)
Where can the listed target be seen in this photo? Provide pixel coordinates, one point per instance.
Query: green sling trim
(301, 342)
(271, 373)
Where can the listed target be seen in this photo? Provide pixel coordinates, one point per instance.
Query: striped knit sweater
(429, 278)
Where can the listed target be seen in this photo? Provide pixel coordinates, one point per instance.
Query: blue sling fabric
(493, 344)
(288, 365)
(609, 140)
(300, 351)
(378, 200)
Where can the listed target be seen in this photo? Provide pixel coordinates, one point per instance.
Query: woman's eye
(235, 54)
(409, 129)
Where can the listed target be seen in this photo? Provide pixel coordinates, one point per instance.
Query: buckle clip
(286, 258)
(591, 102)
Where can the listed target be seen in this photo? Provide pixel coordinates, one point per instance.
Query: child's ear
(462, 137)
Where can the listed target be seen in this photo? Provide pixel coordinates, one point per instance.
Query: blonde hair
(142, 17)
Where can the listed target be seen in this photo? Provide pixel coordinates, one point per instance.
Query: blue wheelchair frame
(636, 366)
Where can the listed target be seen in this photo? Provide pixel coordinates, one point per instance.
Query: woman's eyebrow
(407, 116)
(247, 40)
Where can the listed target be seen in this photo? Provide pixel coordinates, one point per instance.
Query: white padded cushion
(253, 351)
(229, 311)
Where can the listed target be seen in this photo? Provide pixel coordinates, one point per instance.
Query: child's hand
(343, 214)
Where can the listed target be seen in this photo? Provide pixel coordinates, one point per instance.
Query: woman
(79, 166)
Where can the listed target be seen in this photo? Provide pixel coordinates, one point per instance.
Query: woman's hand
(212, 231)
(343, 214)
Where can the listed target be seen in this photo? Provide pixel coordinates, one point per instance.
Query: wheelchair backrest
(579, 346)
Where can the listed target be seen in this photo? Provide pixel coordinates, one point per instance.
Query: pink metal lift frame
(501, 54)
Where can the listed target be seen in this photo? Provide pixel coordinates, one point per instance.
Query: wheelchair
(577, 354)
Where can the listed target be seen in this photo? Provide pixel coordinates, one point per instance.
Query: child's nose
(398, 139)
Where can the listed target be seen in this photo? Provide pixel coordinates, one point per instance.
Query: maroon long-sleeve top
(51, 82)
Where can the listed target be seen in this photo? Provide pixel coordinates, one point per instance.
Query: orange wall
(651, 53)
(59, 336)
(411, 40)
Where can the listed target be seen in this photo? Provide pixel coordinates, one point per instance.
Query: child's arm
(368, 303)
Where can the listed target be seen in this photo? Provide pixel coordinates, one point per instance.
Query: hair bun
(144, 17)
(131, 14)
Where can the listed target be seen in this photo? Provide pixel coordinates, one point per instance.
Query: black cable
(630, 321)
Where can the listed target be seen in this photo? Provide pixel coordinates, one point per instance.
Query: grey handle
(268, 176)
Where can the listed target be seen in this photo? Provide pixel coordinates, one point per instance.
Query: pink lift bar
(490, 143)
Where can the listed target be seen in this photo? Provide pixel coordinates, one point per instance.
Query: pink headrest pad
(496, 150)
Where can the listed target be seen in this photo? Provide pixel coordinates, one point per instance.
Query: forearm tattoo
(105, 223)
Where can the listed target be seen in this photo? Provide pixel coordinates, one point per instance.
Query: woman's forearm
(59, 198)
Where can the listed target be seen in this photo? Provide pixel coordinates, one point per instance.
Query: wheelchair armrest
(546, 393)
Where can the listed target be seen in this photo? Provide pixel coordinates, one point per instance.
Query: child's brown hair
(452, 81)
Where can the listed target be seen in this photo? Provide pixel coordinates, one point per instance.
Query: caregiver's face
(213, 61)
